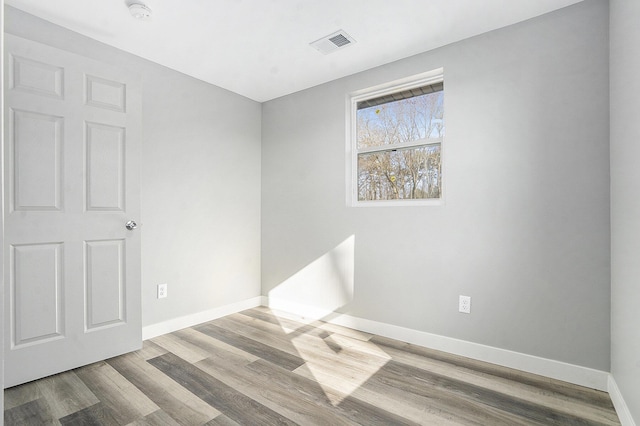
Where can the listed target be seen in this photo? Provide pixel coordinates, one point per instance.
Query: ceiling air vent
(333, 42)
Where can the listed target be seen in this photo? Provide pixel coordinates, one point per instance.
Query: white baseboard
(172, 325)
(618, 402)
(575, 374)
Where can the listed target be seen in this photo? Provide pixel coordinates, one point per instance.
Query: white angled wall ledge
(575, 374)
(622, 410)
(169, 326)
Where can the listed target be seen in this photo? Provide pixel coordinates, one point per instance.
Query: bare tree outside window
(399, 140)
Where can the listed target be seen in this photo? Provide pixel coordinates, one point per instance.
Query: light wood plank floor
(261, 367)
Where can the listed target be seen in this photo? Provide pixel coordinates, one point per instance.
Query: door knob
(131, 225)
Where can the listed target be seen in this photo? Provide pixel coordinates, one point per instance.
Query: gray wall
(625, 201)
(2, 213)
(200, 181)
(525, 227)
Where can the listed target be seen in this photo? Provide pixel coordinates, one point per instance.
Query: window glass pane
(411, 173)
(404, 120)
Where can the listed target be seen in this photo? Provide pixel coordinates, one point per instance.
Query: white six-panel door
(72, 268)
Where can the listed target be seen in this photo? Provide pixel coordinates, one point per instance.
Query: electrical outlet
(464, 304)
(162, 291)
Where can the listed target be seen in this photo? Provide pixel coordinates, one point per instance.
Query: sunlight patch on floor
(337, 380)
(341, 364)
(341, 360)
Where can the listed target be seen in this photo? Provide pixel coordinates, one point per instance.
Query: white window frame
(423, 79)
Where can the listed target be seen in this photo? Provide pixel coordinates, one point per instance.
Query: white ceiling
(260, 48)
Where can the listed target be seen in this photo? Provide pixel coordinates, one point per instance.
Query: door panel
(105, 283)
(107, 94)
(36, 161)
(36, 77)
(105, 147)
(37, 292)
(72, 269)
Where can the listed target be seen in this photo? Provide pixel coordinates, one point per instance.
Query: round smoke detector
(139, 11)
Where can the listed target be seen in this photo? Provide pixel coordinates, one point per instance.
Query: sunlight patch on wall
(326, 283)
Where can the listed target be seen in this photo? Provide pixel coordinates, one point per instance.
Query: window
(396, 143)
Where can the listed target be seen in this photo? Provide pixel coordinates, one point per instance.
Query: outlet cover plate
(464, 304)
(162, 291)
